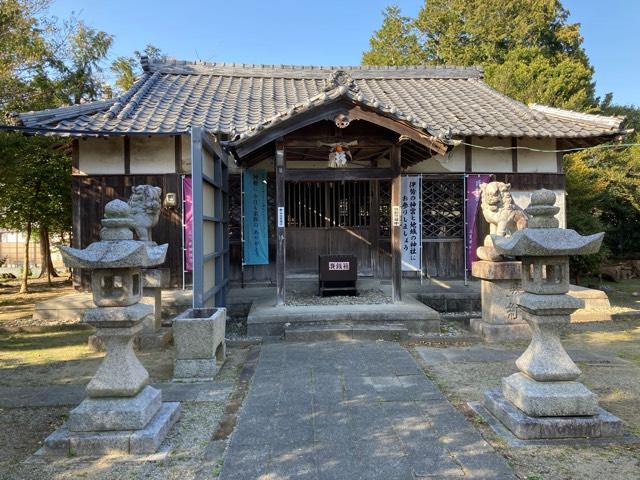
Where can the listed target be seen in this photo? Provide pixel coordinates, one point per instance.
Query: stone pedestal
(122, 413)
(499, 285)
(200, 344)
(153, 281)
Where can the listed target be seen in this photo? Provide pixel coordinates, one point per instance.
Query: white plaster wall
(490, 161)
(541, 162)
(453, 161)
(101, 155)
(522, 199)
(153, 155)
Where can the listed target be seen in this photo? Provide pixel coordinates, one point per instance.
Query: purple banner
(473, 203)
(188, 223)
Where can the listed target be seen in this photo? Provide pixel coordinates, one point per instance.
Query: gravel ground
(373, 296)
(617, 387)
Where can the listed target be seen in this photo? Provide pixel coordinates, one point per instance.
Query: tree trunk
(24, 286)
(45, 252)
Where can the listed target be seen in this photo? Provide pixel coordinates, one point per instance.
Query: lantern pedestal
(499, 285)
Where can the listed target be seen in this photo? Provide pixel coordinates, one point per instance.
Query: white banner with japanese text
(411, 208)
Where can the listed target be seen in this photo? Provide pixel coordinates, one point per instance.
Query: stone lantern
(544, 399)
(122, 413)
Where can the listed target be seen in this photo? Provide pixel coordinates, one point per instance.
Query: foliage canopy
(531, 52)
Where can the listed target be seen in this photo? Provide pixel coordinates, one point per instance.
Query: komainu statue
(145, 203)
(502, 214)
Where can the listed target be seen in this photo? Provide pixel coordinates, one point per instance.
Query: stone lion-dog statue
(502, 214)
(145, 203)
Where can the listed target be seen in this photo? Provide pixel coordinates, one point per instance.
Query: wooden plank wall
(90, 195)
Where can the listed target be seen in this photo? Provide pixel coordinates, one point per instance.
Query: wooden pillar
(514, 154)
(280, 226)
(396, 254)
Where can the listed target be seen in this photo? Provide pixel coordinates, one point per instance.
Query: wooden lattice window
(327, 204)
(384, 208)
(442, 209)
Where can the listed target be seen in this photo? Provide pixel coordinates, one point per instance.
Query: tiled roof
(239, 100)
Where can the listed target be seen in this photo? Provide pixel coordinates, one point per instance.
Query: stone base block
(496, 332)
(487, 270)
(145, 341)
(96, 415)
(64, 442)
(549, 399)
(203, 369)
(318, 333)
(523, 426)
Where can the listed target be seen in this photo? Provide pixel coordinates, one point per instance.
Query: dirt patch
(182, 456)
(624, 296)
(617, 386)
(17, 308)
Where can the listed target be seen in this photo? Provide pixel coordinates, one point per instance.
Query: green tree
(395, 43)
(531, 52)
(81, 69)
(127, 69)
(36, 193)
(43, 64)
(23, 51)
(527, 48)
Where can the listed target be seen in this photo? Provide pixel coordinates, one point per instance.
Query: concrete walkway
(351, 410)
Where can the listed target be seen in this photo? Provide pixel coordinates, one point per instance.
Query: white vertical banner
(411, 208)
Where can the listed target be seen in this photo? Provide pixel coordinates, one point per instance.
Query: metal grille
(327, 204)
(442, 209)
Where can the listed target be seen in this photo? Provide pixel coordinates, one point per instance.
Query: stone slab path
(351, 410)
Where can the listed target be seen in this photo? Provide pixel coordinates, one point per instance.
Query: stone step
(392, 332)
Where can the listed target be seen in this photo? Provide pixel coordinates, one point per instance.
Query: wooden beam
(75, 154)
(401, 128)
(468, 162)
(127, 155)
(396, 254)
(296, 122)
(315, 141)
(337, 174)
(178, 153)
(514, 154)
(559, 157)
(280, 226)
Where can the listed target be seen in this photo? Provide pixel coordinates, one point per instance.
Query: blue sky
(328, 32)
